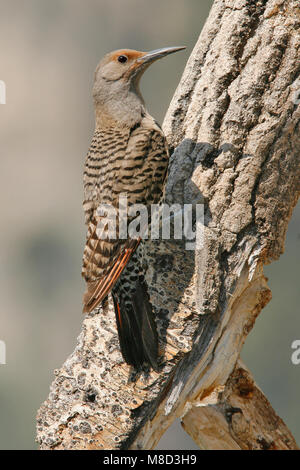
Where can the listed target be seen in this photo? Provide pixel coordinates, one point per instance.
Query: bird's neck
(122, 109)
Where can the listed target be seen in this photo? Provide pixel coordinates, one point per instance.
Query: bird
(128, 157)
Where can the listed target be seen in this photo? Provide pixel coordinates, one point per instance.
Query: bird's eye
(122, 59)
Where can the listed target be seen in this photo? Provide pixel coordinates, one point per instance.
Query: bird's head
(121, 70)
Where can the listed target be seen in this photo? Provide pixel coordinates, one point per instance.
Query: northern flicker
(128, 156)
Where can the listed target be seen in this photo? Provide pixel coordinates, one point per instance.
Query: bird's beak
(151, 56)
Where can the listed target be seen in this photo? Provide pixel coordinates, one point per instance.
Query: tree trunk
(233, 128)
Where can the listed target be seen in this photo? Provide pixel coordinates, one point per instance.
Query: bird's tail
(136, 327)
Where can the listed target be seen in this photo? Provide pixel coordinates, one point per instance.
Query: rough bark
(234, 127)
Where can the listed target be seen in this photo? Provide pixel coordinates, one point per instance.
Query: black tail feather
(137, 329)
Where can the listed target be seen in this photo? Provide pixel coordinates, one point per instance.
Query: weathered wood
(234, 126)
(237, 417)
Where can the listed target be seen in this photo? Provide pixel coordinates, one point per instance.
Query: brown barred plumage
(128, 156)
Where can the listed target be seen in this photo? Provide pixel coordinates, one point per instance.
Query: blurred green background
(49, 50)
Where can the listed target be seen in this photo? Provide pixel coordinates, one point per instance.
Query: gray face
(121, 70)
(116, 72)
(118, 63)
